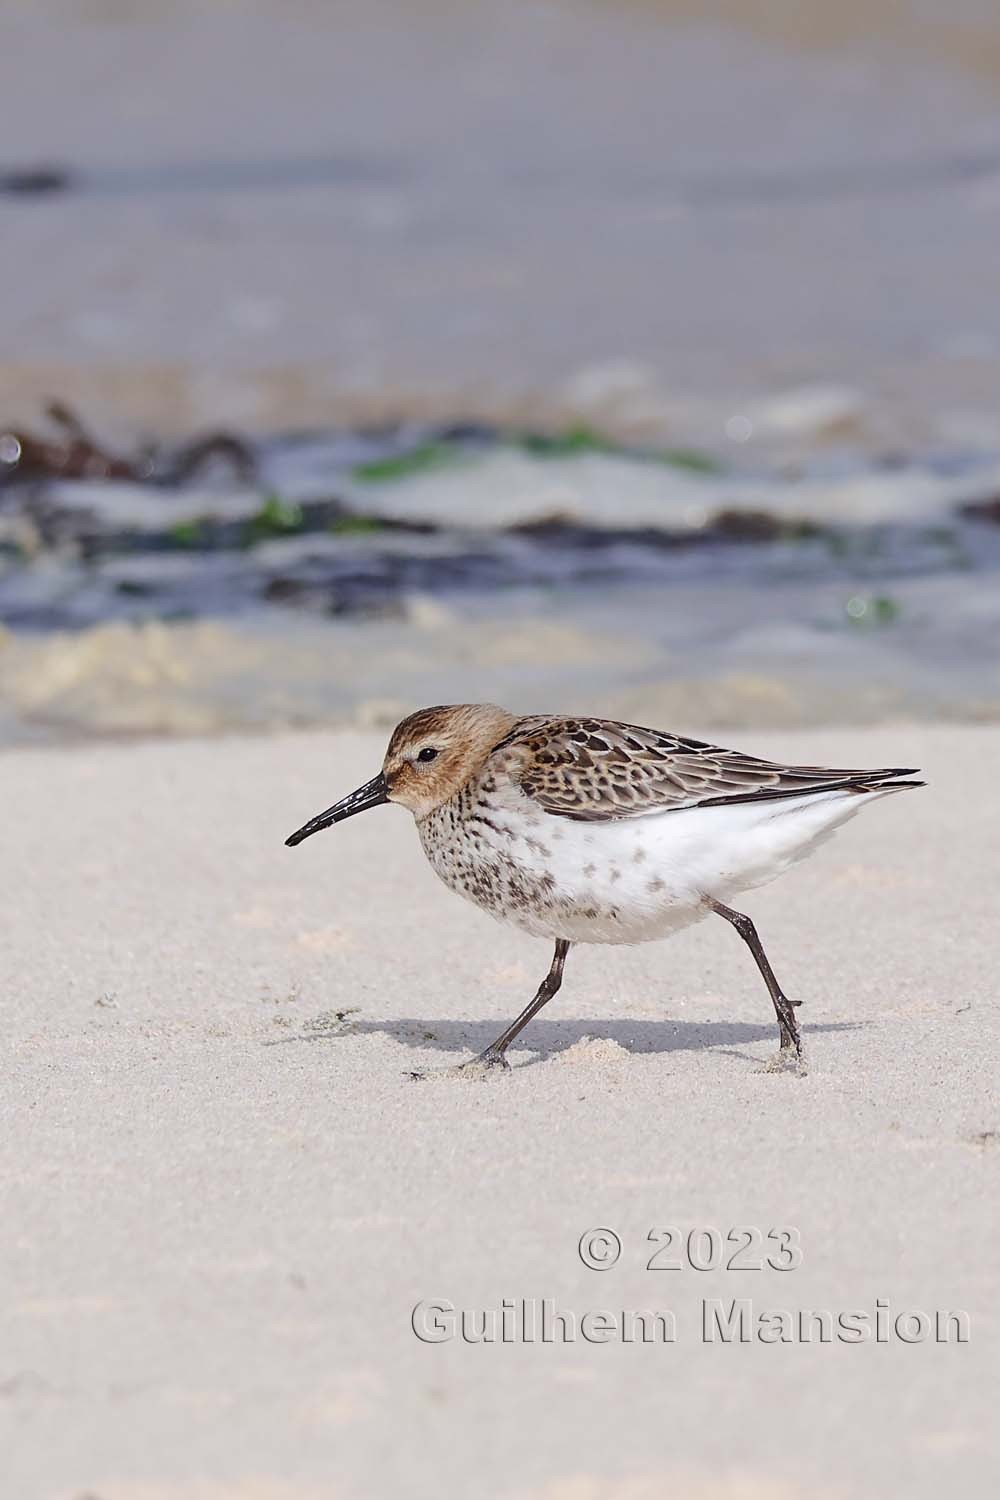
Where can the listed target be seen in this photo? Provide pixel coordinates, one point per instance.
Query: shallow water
(318, 208)
(759, 234)
(356, 523)
(356, 574)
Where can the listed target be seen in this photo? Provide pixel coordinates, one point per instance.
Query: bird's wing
(596, 770)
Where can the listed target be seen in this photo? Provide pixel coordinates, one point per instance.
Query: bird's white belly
(626, 881)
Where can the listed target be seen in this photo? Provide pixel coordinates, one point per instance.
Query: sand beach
(226, 1210)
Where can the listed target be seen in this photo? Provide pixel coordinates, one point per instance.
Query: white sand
(221, 1202)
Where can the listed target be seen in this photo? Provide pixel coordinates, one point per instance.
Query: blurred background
(630, 355)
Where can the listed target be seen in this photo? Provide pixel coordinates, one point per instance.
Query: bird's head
(430, 757)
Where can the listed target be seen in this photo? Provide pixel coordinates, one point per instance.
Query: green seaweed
(276, 517)
(573, 442)
(569, 444)
(693, 459)
(188, 533)
(872, 611)
(418, 461)
(886, 609)
(576, 442)
(356, 525)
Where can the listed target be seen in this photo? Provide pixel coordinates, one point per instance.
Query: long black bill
(372, 794)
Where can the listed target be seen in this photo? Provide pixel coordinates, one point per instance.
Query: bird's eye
(427, 753)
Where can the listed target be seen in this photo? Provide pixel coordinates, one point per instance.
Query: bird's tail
(896, 780)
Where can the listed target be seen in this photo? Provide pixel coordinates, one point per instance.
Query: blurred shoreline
(297, 214)
(343, 577)
(757, 232)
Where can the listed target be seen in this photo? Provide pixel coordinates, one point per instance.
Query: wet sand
(222, 1200)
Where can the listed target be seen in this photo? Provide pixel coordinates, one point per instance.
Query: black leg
(549, 986)
(788, 1027)
(494, 1056)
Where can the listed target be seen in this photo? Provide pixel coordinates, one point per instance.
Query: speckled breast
(612, 882)
(464, 842)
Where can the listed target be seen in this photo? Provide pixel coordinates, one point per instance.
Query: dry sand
(222, 1199)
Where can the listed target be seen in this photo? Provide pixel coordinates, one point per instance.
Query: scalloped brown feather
(597, 770)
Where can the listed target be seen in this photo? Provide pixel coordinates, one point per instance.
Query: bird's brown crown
(434, 752)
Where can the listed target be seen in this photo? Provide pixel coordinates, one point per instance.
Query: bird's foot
(788, 1059)
(488, 1064)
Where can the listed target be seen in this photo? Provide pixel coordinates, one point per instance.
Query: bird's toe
(486, 1065)
(785, 1060)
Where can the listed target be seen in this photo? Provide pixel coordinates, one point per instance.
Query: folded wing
(594, 770)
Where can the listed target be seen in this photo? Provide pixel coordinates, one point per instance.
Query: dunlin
(584, 830)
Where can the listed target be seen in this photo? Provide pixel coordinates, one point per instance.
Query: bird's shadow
(545, 1038)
